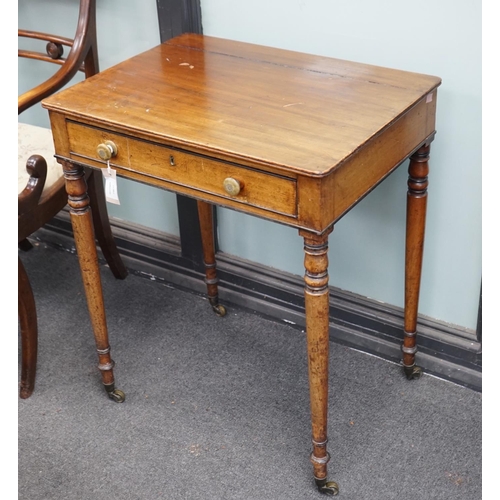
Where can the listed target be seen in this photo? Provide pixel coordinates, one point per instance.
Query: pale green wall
(441, 38)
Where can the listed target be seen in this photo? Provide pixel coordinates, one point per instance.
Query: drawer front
(216, 177)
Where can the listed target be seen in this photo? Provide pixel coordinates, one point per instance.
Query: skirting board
(446, 351)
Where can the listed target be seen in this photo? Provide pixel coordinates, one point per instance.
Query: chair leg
(102, 227)
(25, 245)
(29, 333)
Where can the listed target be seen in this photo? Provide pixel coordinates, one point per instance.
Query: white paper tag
(428, 99)
(110, 186)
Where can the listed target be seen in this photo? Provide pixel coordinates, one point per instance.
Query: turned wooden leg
(415, 229)
(81, 220)
(317, 303)
(29, 332)
(205, 212)
(102, 227)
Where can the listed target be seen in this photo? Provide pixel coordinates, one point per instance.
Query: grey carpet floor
(218, 408)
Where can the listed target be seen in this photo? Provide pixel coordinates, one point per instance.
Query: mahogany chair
(41, 185)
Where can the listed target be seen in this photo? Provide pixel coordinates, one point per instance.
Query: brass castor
(412, 372)
(218, 309)
(327, 487)
(116, 395)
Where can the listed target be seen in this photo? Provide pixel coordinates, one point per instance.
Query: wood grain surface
(283, 109)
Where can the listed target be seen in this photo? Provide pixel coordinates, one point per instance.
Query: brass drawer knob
(107, 150)
(232, 186)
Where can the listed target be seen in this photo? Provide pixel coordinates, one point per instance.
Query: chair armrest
(29, 197)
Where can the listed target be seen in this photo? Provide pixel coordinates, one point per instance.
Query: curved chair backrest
(82, 55)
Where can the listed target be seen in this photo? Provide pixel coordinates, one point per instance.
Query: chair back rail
(81, 57)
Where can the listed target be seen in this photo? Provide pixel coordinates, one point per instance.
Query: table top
(287, 110)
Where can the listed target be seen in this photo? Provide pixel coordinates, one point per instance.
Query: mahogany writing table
(289, 137)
